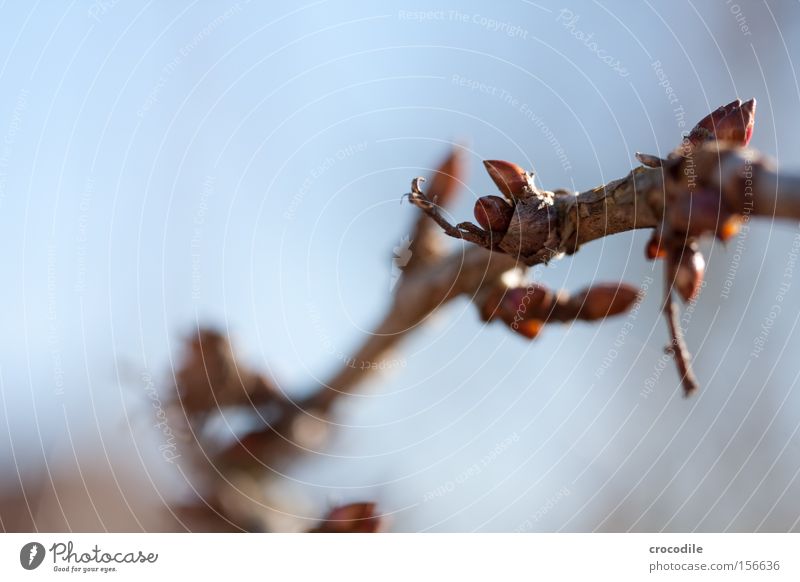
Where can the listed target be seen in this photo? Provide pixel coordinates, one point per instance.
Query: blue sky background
(241, 164)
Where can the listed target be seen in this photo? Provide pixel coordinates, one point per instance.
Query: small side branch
(465, 230)
(677, 346)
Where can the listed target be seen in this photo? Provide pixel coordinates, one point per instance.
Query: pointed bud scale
(512, 181)
(688, 274)
(493, 213)
(713, 118)
(749, 114)
(447, 178)
(732, 123)
(649, 160)
(704, 130)
(604, 300)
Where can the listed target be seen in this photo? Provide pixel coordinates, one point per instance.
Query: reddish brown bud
(493, 213)
(529, 328)
(522, 303)
(352, 518)
(513, 306)
(510, 179)
(733, 123)
(737, 126)
(447, 178)
(604, 300)
(688, 274)
(489, 309)
(655, 247)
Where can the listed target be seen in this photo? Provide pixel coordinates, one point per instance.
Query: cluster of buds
(494, 213)
(696, 211)
(523, 224)
(699, 211)
(527, 309)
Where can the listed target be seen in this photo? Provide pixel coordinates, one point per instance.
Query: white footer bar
(354, 557)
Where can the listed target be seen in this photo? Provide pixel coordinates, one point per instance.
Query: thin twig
(471, 234)
(677, 346)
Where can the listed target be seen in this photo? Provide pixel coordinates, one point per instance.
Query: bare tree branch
(746, 180)
(418, 294)
(536, 234)
(704, 187)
